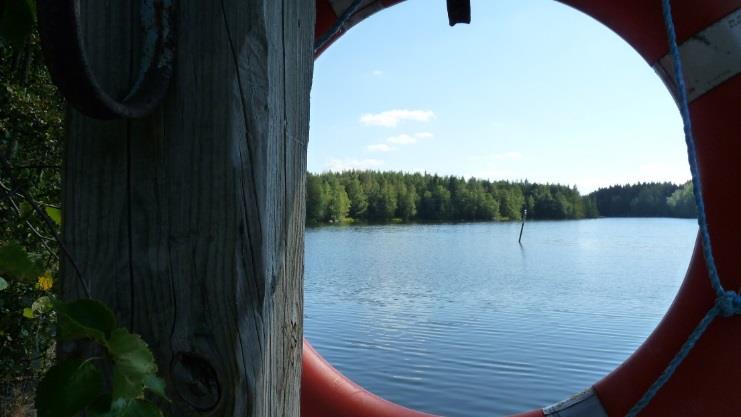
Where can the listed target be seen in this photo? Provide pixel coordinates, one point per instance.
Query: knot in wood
(196, 381)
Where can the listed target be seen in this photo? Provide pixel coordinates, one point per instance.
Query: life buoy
(708, 382)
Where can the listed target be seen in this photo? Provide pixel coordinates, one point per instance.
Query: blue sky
(532, 89)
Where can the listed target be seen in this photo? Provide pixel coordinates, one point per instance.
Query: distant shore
(374, 197)
(454, 222)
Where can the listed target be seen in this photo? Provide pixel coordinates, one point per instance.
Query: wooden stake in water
(524, 217)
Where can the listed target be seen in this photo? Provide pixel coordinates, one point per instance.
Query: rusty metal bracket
(459, 11)
(63, 46)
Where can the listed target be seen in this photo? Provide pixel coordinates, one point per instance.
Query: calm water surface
(460, 320)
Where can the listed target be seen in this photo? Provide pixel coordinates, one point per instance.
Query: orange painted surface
(708, 383)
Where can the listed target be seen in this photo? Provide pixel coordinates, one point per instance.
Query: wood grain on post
(189, 223)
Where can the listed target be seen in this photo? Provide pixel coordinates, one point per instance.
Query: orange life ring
(708, 382)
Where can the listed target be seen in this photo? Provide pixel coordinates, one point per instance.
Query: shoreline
(457, 222)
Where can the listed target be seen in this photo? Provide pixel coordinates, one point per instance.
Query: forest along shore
(396, 197)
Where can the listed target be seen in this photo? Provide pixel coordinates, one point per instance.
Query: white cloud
(391, 118)
(376, 72)
(348, 164)
(423, 135)
(380, 147)
(402, 139)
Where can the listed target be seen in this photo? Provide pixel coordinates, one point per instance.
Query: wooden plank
(95, 209)
(210, 197)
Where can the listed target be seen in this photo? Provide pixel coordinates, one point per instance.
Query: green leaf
(3, 284)
(100, 407)
(17, 20)
(156, 385)
(54, 213)
(15, 263)
(26, 208)
(85, 318)
(67, 388)
(139, 408)
(28, 313)
(133, 362)
(123, 408)
(124, 386)
(42, 305)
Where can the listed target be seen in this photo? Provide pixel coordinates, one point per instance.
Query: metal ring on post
(64, 51)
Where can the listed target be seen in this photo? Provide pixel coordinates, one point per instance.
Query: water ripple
(459, 320)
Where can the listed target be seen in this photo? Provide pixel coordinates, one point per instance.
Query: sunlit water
(460, 320)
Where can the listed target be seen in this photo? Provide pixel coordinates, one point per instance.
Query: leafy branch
(48, 215)
(33, 120)
(74, 385)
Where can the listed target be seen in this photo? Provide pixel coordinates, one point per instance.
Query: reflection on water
(460, 320)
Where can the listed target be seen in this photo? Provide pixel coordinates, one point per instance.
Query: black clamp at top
(63, 47)
(459, 11)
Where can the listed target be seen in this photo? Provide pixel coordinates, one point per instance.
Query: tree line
(370, 196)
(380, 197)
(658, 199)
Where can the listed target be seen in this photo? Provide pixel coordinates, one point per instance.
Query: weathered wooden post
(189, 223)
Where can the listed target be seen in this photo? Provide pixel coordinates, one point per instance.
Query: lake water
(460, 320)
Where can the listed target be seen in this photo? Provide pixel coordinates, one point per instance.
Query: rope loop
(324, 39)
(729, 304)
(62, 41)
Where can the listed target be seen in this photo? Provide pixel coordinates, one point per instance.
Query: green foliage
(123, 408)
(17, 20)
(682, 202)
(394, 196)
(134, 363)
(511, 203)
(133, 369)
(382, 202)
(646, 200)
(31, 120)
(357, 196)
(42, 305)
(407, 203)
(16, 263)
(67, 388)
(26, 319)
(26, 332)
(316, 200)
(155, 384)
(84, 318)
(338, 203)
(72, 385)
(31, 115)
(54, 214)
(388, 196)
